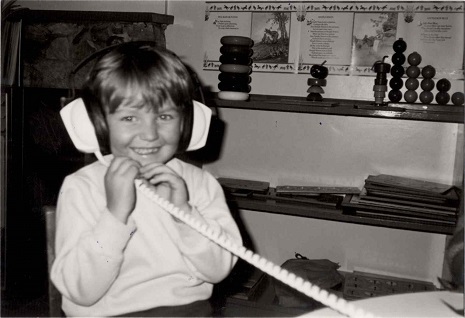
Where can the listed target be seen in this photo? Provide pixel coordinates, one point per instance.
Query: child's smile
(145, 135)
(145, 151)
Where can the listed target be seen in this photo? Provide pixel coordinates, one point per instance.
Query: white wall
(319, 150)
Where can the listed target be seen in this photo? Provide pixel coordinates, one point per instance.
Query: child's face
(143, 134)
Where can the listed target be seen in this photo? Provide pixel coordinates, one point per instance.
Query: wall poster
(290, 37)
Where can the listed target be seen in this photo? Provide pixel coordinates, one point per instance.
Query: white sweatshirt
(104, 267)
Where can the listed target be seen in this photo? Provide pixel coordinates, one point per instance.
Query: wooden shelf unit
(270, 205)
(342, 107)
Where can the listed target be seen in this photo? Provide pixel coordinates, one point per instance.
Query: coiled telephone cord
(296, 282)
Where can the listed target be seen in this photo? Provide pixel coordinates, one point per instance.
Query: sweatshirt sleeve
(209, 261)
(90, 243)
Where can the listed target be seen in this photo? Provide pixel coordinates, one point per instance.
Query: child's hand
(119, 187)
(167, 183)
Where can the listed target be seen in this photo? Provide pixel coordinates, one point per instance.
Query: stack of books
(405, 199)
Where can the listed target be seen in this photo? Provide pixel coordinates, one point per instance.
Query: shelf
(330, 214)
(342, 107)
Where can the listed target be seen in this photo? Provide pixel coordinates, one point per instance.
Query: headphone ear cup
(200, 127)
(79, 126)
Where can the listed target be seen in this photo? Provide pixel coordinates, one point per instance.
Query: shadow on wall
(212, 150)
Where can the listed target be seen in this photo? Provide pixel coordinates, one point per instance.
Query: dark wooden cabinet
(38, 151)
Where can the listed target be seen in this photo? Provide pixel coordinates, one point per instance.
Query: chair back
(54, 296)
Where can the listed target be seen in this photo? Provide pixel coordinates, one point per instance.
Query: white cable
(290, 279)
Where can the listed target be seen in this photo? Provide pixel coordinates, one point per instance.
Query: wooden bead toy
(427, 84)
(426, 97)
(457, 98)
(397, 70)
(319, 74)
(235, 68)
(414, 59)
(443, 86)
(412, 83)
(380, 87)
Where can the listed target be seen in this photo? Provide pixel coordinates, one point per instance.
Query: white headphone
(82, 132)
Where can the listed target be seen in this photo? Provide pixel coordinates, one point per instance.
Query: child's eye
(165, 117)
(128, 118)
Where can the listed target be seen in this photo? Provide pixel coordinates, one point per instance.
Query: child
(117, 252)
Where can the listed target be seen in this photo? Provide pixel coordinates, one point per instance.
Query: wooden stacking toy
(234, 78)
(319, 73)
(380, 87)
(443, 86)
(412, 72)
(397, 70)
(427, 84)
